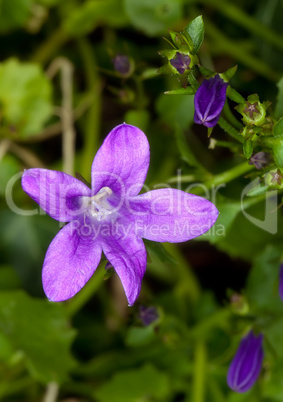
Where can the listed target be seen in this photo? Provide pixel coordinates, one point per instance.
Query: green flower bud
(239, 304)
(274, 179)
(253, 111)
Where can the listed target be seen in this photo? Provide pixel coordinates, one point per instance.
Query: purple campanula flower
(111, 217)
(260, 159)
(246, 365)
(181, 62)
(122, 64)
(209, 101)
(148, 314)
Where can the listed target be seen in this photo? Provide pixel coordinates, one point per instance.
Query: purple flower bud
(246, 365)
(181, 62)
(209, 101)
(122, 64)
(260, 159)
(281, 282)
(148, 315)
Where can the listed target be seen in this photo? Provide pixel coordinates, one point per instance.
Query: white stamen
(97, 205)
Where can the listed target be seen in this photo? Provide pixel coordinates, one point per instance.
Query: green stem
(235, 95)
(215, 390)
(229, 175)
(226, 144)
(215, 320)
(46, 50)
(221, 178)
(228, 128)
(231, 118)
(187, 279)
(198, 394)
(92, 120)
(77, 302)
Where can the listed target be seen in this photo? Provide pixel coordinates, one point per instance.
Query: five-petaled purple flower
(246, 365)
(209, 101)
(111, 217)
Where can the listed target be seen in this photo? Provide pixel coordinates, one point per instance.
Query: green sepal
(248, 148)
(108, 273)
(258, 190)
(270, 179)
(229, 74)
(179, 40)
(181, 91)
(194, 33)
(168, 53)
(209, 131)
(167, 69)
(206, 72)
(251, 117)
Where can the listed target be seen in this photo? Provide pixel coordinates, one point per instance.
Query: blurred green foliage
(57, 57)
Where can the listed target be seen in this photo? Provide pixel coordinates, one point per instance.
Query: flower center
(97, 205)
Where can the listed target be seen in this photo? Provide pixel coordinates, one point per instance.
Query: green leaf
(248, 147)
(181, 91)
(272, 387)
(25, 97)
(6, 348)
(185, 151)
(145, 383)
(91, 13)
(279, 105)
(8, 278)
(138, 118)
(278, 153)
(40, 330)
(178, 39)
(229, 74)
(252, 230)
(14, 14)
(30, 248)
(228, 212)
(273, 334)
(195, 30)
(278, 128)
(138, 336)
(153, 17)
(262, 284)
(176, 109)
(159, 251)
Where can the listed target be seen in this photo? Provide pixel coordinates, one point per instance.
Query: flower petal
(122, 161)
(70, 261)
(127, 254)
(246, 364)
(55, 192)
(209, 101)
(170, 215)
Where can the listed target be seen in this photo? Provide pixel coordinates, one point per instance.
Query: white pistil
(97, 205)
